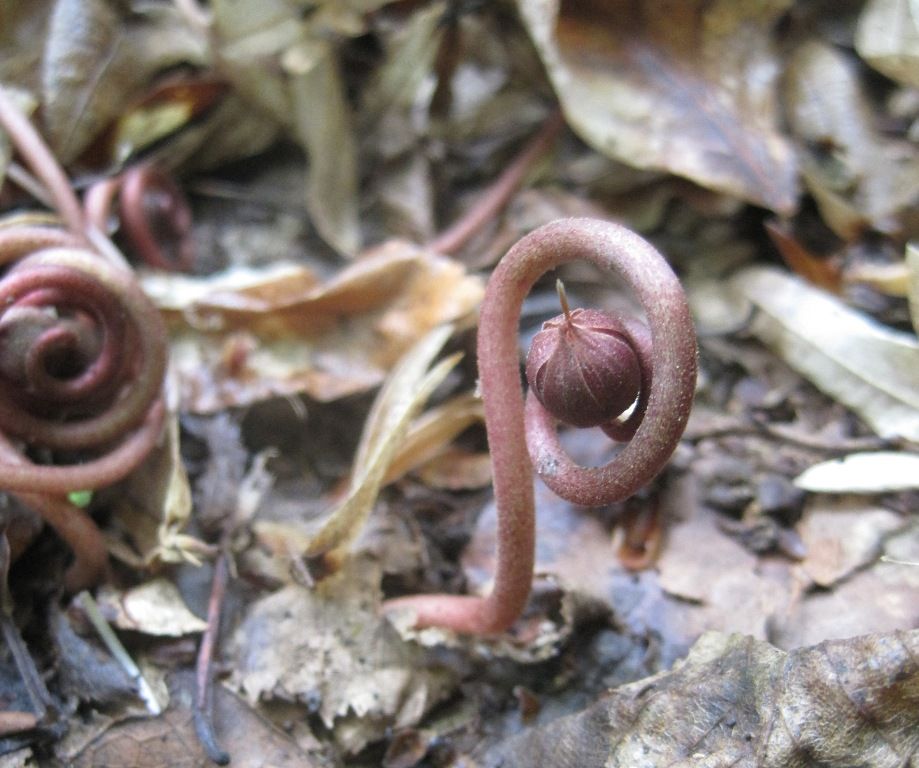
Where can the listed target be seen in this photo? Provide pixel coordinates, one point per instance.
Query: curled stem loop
(666, 354)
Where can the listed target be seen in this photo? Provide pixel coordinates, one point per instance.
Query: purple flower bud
(583, 369)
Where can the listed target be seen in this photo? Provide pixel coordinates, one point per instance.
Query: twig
(204, 726)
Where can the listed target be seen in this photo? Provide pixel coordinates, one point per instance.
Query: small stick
(204, 678)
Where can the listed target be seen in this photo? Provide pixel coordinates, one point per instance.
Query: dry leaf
(97, 58)
(841, 538)
(277, 333)
(869, 368)
(888, 38)
(154, 508)
(879, 472)
(286, 63)
(154, 608)
(251, 741)
(738, 702)
(330, 650)
(687, 88)
(858, 177)
(403, 395)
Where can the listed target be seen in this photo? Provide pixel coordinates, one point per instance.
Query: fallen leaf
(867, 367)
(257, 334)
(843, 538)
(286, 63)
(404, 394)
(250, 740)
(740, 702)
(154, 608)
(154, 508)
(887, 37)
(688, 88)
(97, 58)
(329, 650)
(858, 177)
(876, 472)
(912, 264)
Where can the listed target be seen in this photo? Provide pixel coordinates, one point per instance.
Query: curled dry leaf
(329, 650)
(744, 703)
(862, 364)
(280, 333)
(858, 177)
(887, 38)
(687, 88)
(154, 508)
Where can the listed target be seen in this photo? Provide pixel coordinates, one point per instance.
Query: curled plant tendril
(155, 215)
(580, 348)
(82, 359)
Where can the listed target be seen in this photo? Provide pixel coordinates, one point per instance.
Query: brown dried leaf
(251, 741)
(858, 177)
(742, 703)
(329, 649)
(154, 608)
(687, 88)
(278, 333)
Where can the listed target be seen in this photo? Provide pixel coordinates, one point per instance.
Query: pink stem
(617, 250)
(36, 154)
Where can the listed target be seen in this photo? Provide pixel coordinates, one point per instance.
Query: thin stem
(204, 726)
(44, 165)
(613, 249)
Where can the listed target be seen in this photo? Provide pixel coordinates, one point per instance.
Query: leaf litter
(395, 118)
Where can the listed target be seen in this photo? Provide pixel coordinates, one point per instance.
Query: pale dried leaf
(739, 702)
(869, 368)
(887, 38)
(329, 648)
(687, 88)
(431, 433)
(154, 608)
(156, 504)
(323, 127)
(402, 397)
(878, 472)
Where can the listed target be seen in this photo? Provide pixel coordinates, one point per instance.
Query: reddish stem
(614, 249)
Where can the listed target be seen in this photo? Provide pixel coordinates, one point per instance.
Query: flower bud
(583, 369)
